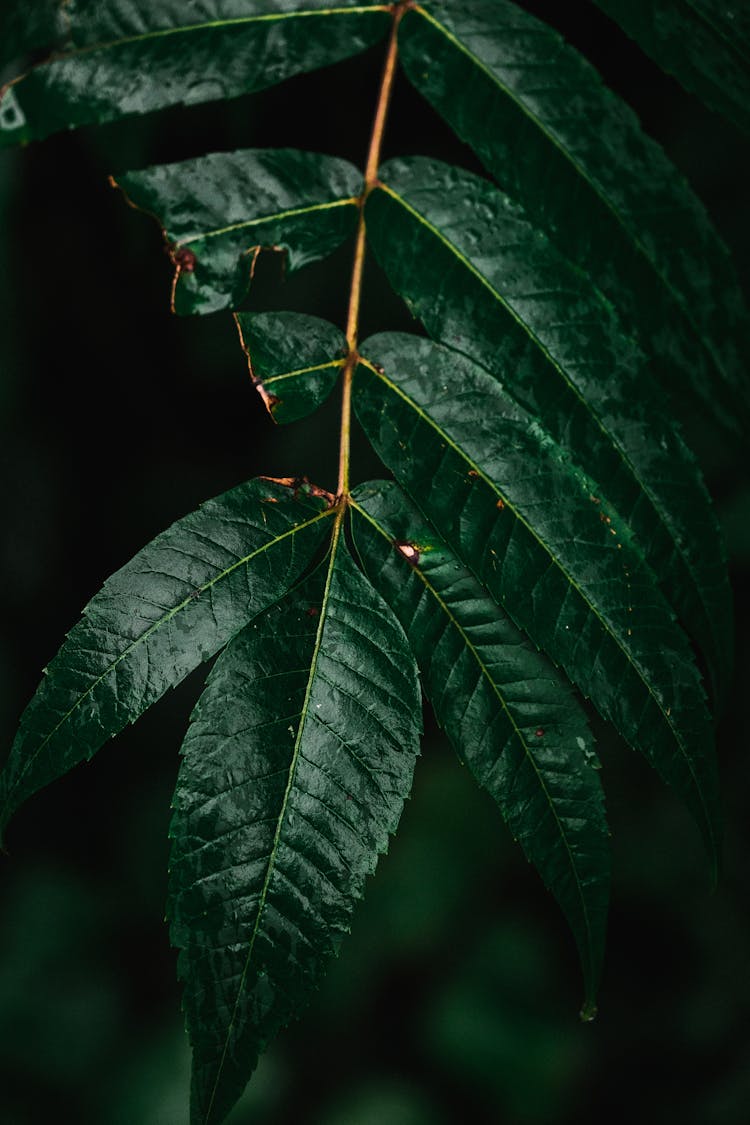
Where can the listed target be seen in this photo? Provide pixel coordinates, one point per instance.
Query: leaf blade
(522, 519)
(511, 302)
(589, 177)
(706, 46)
(294, 360)
(156, 619)
(338, 786)
(506, 710)
(218, 211)
(127, 59)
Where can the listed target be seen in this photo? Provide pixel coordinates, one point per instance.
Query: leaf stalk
(360, 246)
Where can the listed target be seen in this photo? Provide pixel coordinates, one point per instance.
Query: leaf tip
(588, 1012)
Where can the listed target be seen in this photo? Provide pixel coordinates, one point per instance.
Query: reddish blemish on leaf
(473, 473)
(183, 258)
(409, 550)
(313, 611)
(270, 401)
(539, 732)
(500, 505)
(298, 484)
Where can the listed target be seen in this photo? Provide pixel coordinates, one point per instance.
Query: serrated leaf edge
(590, 968)
(139, 640)
(654, 500)
(335, 540)
(632, 662)
(602, 196)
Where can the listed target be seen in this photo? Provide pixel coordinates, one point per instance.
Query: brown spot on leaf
(410, 551)
(500, 505)
(313, 611)
(183, 257)
(298, 484)
(270, 401)
(473, 473)
(539, 732)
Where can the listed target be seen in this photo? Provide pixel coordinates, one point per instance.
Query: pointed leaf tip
(173, 606)
(508, 712)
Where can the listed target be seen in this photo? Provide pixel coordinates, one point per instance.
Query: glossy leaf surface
(508, 713)
(527, 524)
(487, 283)
(219, 211)
(705, 44)
(540, 119)
(295, 770)
(133, 56)
(294, 360)
(171, 607)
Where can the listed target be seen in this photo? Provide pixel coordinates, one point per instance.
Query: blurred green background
(456, 997)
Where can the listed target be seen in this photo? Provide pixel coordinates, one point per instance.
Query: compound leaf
(484, 281)
(539, 118)
(705, 44)
(508, 713)
(130, 56)
(294, 360)
(174, 605)
(296, 766)
(526, 522)
(219, 211)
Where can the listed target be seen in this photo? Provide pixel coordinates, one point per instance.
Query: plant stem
(355, 292)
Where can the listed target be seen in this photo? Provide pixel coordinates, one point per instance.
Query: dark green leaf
(506, 710)
(539, 118)
(294, 360)
(127, 56)
(26, 26)
(529, 526)
(705, 44)
(295, 770)
(487, 283)
(170, 608)
(218, 212)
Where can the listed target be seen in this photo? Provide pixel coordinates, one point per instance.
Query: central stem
(355, 293)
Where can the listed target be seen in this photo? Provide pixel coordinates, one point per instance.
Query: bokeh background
(456, 997)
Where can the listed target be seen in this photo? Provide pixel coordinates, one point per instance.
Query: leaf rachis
(355, 292)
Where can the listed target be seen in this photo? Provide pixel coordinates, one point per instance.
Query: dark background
(456, 997)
